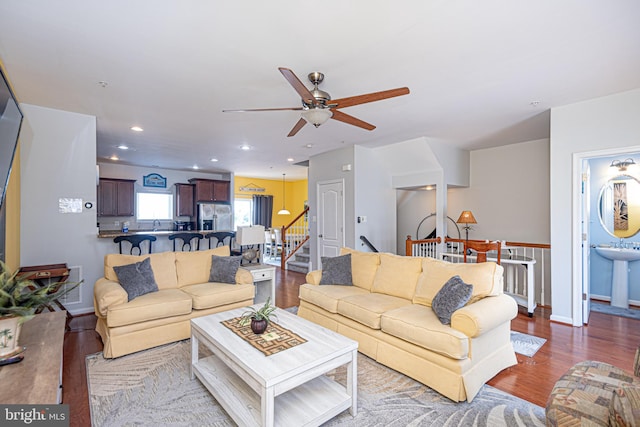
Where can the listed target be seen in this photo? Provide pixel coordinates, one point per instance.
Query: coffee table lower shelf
(311, 403)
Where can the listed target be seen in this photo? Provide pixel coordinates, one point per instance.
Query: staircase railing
(294, 236)
(369, 244)
(515, 278)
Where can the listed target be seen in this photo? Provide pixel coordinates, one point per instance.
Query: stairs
(300, 261)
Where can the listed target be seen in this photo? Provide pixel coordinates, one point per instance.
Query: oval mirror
(619, 206)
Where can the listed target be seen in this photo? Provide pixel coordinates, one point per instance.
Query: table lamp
(466, 218)
(250, 236)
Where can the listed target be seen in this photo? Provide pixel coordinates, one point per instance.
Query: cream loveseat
(161, 317)
(388, 311)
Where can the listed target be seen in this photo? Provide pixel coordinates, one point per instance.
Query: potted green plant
(259, 317)
(19, 300)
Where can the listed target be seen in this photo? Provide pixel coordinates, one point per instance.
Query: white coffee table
(285, 389)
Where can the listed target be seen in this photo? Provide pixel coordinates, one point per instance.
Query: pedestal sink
(620, 282)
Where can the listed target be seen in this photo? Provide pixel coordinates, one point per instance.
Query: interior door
(586, 241)
(330, 218)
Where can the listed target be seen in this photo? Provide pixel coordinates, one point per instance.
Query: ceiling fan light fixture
(317, 116)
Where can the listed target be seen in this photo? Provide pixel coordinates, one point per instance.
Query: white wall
(609, 122)
(58, 152)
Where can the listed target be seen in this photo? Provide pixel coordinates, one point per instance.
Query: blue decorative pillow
(137, 279)
(336, 270)
(453, 296)
(224, 268)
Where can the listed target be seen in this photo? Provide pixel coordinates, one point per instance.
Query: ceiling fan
(318, 107)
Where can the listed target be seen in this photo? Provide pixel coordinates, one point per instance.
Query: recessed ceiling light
(114, 157)
(195, 167)
(213, 159)
(308, 145)
(290, 159)
(136, 128)
(245, 147)
(123, 147)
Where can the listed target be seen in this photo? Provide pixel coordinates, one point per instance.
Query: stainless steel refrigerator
(215, 217)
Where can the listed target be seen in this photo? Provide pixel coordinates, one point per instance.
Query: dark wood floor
(607, 338)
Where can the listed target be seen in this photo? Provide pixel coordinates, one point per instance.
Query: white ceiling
(481, 73)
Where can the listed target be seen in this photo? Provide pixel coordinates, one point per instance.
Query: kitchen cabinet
(116, 197)
(184, 200)
(210, 190)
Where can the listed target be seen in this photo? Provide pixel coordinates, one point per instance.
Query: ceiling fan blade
(294, 81)
(350, 120)
(297, 127)
(369, 97)
(263, 109)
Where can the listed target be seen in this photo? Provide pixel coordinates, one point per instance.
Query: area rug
(153, 388)
(631, 313)
(526, 344)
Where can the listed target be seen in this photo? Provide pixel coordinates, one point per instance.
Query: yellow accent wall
(296, 194)
(12, 205)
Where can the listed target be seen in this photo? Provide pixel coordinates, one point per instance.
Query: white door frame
(576, 226)
(318, 185)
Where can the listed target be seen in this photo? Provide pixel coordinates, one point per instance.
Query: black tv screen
(10, 121)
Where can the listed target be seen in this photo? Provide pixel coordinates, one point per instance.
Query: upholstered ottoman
(594, 394)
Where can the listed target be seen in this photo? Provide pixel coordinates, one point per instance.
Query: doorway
(330, 218)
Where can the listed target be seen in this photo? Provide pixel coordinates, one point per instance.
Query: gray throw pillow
(224, 268)
(336, 270)
(137, 279)
(453, 296)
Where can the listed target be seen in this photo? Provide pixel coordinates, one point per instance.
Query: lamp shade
(466, 217)
(317, 116)
(253, 235)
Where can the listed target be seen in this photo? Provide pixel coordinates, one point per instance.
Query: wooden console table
(38, 378)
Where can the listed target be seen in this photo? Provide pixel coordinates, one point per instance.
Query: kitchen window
(242, 209)
(150, 206)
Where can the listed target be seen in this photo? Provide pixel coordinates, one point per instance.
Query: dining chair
(135, 240)
(188, 244)
(268, 243)
(481, 249)
(223, 238)
(277, 242)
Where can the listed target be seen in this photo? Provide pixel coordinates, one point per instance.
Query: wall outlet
(117, 223)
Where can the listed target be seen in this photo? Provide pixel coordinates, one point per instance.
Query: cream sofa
(388, 311)
(164, 316)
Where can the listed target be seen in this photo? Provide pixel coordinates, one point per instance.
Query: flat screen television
(10, 121)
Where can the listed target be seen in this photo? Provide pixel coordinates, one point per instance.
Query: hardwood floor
(607, 338)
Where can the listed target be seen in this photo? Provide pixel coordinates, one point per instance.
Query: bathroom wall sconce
(622, 165)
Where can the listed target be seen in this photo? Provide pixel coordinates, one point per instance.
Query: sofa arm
(484, 315)
(107, 293)
(313, 277)
(244, 277)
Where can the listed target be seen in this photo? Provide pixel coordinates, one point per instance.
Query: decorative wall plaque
(154, 180)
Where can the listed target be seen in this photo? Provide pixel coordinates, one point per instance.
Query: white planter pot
(9, 333)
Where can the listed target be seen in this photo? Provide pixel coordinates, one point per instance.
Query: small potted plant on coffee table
(259, 317)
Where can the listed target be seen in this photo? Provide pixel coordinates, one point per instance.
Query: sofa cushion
(224, 268)
(419, 325)
(156, 305)
(485, 277)
(212, 294)
(195, 267)
(163, 265)
(137, 278)
(625, 406)
(368, 308)
(451, 297)
(336, 270)
(363, 267)
(397, 275)
(327, 296)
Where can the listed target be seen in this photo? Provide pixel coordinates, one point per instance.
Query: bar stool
(187, 241)
(135, 240)
(223, 238)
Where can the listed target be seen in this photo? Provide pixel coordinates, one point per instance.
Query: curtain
(262, 210)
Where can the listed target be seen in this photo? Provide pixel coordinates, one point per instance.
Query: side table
(264, 279)
(42, 275)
